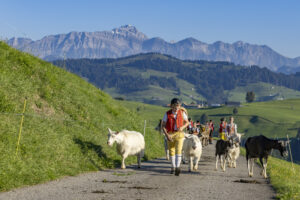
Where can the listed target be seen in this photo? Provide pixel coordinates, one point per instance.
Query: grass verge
(284, 178)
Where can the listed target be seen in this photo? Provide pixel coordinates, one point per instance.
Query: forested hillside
(211, 81)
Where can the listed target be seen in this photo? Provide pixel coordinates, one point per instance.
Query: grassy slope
(284, 179)
(65, 125)
(263, 92)
(188, 92)
(187, 89)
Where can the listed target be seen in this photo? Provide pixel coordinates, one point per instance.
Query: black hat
(175, 101)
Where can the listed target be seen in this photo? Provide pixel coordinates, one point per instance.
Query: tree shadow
(254, 119)
(86, 146)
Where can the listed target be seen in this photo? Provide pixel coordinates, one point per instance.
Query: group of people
(227, 130)
(196, 128)
(176, 120)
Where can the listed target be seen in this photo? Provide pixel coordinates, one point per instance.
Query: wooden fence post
(21, 125)
(145, 128)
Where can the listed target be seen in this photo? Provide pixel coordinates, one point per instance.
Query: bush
(235, 111)
(254, 119)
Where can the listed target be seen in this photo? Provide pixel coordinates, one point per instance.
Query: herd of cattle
(133, 143)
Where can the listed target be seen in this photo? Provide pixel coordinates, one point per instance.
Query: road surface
(153, 181)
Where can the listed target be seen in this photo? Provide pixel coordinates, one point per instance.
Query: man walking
(231, 128)
(174, 122)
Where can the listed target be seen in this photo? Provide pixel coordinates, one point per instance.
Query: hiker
(211, 127)
(223, 129)
(195, 130)
(231, 128)
(174, 122)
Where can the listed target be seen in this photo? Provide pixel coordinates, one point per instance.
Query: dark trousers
(210, 136)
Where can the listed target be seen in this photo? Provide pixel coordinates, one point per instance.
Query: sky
(275, 23)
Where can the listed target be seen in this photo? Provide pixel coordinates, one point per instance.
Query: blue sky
(275, 23)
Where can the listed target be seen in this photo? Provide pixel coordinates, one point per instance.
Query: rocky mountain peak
(126, 28)
(128, 40)
(129, 30)
(239, 43)
(19, 41)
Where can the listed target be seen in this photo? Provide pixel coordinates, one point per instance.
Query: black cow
(222, 148)
(260, 147)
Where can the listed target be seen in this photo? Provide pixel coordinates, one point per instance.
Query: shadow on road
(87, 146)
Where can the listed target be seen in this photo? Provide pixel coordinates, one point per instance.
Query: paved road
(153, 181)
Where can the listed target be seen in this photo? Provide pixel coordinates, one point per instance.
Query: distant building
(215, 105)
(233, 103)
(191, 106)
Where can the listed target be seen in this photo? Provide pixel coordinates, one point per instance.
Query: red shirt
(222, 128)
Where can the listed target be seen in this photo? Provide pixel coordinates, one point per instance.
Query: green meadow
(263, 92)
(284, 177)
(274, 119)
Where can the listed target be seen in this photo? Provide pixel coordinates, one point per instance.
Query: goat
(260, 147)
(204, 136)
(192, 149)
(222, 148)
(128, 143)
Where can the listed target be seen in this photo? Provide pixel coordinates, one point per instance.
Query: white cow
(192, 149)
(128, 143)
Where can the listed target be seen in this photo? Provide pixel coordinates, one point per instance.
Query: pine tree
(250, 97)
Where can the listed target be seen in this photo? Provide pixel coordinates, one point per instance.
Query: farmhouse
(191, 106)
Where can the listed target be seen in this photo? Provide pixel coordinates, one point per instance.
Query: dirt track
(153, 181)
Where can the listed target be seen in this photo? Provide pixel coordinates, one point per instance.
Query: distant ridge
(153, 78)
(127, 40)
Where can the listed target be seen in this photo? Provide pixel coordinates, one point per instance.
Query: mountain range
(127, 40)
